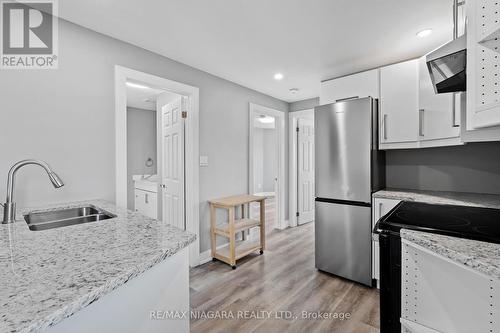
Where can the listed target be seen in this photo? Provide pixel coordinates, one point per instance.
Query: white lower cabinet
(380, 208)
(146, 203)
(143, 304)
(439, 295)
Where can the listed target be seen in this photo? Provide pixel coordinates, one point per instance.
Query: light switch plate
(203, 161)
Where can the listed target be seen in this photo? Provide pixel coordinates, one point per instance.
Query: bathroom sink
(65, 217)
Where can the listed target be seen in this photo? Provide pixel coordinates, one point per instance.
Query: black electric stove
(476, 223)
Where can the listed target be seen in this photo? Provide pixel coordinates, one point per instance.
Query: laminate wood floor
(283, 279)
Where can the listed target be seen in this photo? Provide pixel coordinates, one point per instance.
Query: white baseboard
(284, 225)
(206, 256)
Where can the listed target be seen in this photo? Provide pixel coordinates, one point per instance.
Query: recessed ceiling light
(278, 76)
(424, 33)
(294, 91)
(136, 85)
(266, 119)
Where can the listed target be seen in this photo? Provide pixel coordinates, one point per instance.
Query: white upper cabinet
(360, 85)
(439, 118)
(483, 71)
(399, 104)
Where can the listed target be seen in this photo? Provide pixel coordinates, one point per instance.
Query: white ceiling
(136, 98)
(247, 41)
(145, 97)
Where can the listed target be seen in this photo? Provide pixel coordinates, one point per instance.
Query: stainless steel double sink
(65, 217)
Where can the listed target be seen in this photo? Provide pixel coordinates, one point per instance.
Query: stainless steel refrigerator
(348, 168)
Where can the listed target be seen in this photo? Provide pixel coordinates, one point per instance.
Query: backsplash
(474, 167)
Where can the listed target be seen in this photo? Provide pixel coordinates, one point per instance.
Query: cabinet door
(446, 296)
(482, 118)
(360, 85)
(399, 103)
(380, 208)
(139, 201)
(146, 203)
(151, 205)
(438, 117)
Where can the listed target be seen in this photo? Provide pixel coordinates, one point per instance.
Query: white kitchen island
(449, 284)
(125, 274)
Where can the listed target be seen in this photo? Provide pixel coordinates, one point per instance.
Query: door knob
(163, 186)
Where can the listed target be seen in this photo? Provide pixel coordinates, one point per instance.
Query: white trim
(292, 160)
(206, 256)
(191, 153)
(280, 126)
(285, 225)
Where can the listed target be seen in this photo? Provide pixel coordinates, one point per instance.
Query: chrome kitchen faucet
(9, 207)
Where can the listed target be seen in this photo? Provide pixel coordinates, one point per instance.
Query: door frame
(292, 160)
(192, 194)
(281, 223)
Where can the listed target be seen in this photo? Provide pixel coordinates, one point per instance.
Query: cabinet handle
(421, 122)
(146, 198)
(454, 111)
(385, 126)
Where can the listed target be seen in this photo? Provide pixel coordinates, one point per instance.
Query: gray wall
(141, 145)
(66, 117)
(304, 105)
(474, 168)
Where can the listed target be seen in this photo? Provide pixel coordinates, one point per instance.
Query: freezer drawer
(343, 240)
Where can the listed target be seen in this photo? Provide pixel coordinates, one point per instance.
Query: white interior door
(173, 162)
(305, 167)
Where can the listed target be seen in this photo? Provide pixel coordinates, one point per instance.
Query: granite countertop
(479, 256)
(445, 198)
(46, 276)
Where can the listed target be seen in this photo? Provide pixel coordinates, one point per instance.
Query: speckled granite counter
(446, 198)
(480, 256)
(46, 276)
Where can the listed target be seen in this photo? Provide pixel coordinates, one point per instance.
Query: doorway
(301, 129)
(174, 168)
(267, 162)
(142, 151)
